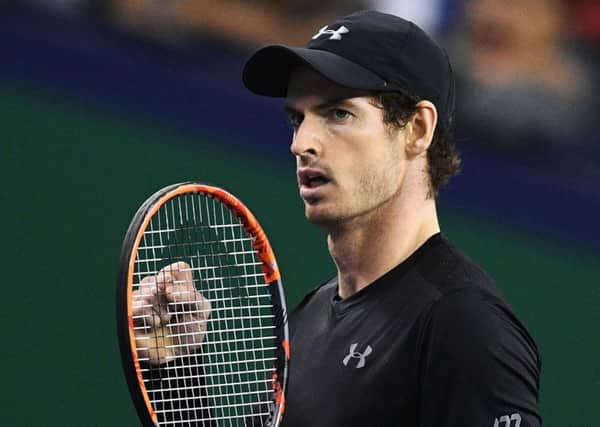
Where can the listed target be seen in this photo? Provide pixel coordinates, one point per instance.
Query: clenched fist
(169, 314)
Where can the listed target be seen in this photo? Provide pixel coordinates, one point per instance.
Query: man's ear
(420, 129)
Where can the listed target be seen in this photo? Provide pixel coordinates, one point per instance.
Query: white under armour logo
(353, 354)
(335, 34)
(507, 420)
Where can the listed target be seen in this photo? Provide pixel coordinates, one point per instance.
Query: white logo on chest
(335, 34)
(353, 354)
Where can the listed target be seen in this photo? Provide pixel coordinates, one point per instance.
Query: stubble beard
(357, 206)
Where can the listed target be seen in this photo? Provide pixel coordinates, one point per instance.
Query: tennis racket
(201, 314)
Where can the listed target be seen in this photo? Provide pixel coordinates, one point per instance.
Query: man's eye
(339, 114)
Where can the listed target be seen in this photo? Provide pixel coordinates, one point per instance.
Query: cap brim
(267, 72)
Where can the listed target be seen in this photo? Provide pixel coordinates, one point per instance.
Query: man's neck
(366, 249)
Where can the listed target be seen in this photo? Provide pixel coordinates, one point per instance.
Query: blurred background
(104, 102)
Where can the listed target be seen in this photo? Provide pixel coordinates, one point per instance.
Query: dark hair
(442, 157)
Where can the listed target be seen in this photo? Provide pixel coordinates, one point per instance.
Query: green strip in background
(73, 178)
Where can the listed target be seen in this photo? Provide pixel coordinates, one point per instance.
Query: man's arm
(171, 317)
(478, 365)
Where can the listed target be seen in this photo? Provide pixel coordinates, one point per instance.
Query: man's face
(350, 164)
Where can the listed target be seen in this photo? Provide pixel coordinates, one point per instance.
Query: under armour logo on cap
(335, 34)
(353, 354)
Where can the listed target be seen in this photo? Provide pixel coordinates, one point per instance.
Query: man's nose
(307, 139)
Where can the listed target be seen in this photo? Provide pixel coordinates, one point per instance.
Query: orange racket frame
(125, 287)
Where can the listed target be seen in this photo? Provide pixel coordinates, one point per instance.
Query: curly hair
(443, 160)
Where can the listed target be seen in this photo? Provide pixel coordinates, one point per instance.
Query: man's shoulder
(445, 282)
(446, 269)
(468, 307)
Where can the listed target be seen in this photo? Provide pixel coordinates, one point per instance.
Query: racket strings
(228, 379)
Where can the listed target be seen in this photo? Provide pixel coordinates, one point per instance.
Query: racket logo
(353, 354)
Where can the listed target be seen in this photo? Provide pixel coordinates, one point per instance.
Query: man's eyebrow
(322, 106)
(333, 103)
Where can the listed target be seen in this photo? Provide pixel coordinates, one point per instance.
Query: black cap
(366, 50)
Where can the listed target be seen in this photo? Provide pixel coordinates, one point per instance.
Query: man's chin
(319, 216)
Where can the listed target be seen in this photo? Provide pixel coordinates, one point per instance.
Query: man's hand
(171, 313)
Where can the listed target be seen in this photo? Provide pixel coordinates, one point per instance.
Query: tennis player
(410, 332)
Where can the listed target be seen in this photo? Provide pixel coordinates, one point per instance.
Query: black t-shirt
(431, 343)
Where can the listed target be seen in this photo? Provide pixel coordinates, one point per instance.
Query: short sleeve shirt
(431, 343)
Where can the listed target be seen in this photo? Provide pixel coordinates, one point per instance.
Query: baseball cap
(366, 50)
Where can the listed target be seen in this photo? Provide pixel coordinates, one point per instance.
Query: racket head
(241, 367)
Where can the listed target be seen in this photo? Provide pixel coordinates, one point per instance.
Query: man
(410, 332)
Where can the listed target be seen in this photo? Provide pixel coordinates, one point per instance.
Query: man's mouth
(312, 178)
(316, 181)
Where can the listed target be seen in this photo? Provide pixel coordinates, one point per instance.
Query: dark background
(94, 119)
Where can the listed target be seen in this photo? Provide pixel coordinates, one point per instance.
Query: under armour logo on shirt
(335, 34)
(353, 354)
(506, 421)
